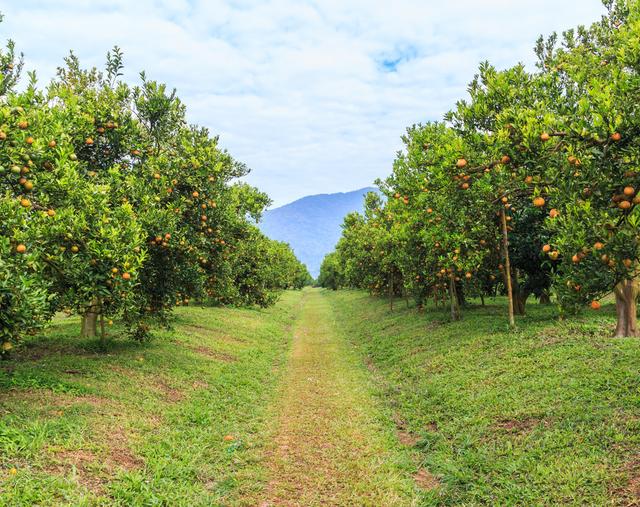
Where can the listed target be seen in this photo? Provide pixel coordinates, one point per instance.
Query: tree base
(626, 293)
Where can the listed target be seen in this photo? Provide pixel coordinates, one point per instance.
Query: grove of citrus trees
(113, 206)
(531, 186)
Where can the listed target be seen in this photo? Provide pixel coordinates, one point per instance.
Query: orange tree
(445, 214)
(25, 300)
(112, 205)
(547, 162)
(595, 185)
(330, 273)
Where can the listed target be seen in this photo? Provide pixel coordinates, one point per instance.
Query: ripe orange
(461, 163)
(598, 245)
(3, 135)
(21, 248)
(464, 186)
(624, 205)
(629, 191)
(575, 259)
(546, 248)
(52, 144)
(627, 263)
(23, 124)
(28, 186)
(544, 137)
(126, 276)
(504, 199)
(25, 203)
(29, 140)
(51, 213)
(195, 194)
(156, 176)
(554, 255)
(553, 213)
(505, 159)
(616, 136)
(88, 141)
(595, 305)
(538, 202)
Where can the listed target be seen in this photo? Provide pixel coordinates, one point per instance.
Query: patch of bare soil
(426, 480)
(520, 426)
(79, 463)
(92, 469)
(170, 393)
(628, 495)
(214, 354)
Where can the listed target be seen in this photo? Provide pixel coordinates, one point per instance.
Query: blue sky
(312, 95)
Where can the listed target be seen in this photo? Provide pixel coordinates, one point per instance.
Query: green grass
(333, 442)
(143, 424)
(545, 415)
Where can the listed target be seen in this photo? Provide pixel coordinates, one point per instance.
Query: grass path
(331, 444)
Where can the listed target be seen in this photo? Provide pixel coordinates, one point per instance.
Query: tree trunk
(626, 293)
(482, 299)
(520, 296)
(545, 299)
(507, 267)
(90, 321)
(460, 294)
(455, 305)
(391, 291)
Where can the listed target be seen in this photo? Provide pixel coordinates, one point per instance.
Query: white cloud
(299, 90)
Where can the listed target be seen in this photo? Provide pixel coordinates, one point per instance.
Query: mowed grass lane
(333, 443)
(177, 421)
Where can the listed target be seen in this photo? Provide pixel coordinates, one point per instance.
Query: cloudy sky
(312, 95)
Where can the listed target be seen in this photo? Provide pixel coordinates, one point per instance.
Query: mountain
(311, 225)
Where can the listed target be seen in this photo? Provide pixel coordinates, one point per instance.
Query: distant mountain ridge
(311, 225)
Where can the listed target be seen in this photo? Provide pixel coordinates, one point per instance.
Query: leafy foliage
(554, 151)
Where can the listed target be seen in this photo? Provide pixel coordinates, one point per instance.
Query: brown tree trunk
(507, 266)
(455, 305)
(391, 291)
(460, 294)
(520, 296)
(626, 293)
(482, 299)
(90, 321)
(545, 299)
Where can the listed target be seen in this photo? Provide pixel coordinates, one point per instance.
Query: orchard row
(113, 206)
(530, 186)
